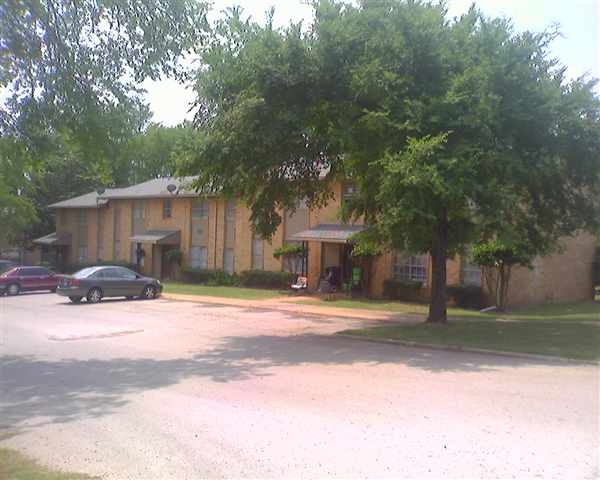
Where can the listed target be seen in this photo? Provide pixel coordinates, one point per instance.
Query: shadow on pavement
(39, 391)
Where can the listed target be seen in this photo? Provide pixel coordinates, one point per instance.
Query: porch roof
(158, 237)
(54, 240)
(328, 233)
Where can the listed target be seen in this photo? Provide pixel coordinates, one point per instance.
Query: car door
(45, 279)
(108, 280)
(129, 284)
(27, 278)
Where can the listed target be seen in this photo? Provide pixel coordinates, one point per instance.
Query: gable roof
(88, 200)
(155, 188)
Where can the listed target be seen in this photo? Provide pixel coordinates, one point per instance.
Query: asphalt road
(160, 389)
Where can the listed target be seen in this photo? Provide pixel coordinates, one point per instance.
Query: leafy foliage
(454, 131)
(266, 279)
(497, 259)
(71, 72)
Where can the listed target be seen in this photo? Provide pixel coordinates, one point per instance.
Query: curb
(458, 348)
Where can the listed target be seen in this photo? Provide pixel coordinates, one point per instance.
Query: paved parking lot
(161, 389)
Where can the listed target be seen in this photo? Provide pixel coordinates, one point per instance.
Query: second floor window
(348, 191)
(82, 217)
(230, 210)
(199, 209)
(167, 208)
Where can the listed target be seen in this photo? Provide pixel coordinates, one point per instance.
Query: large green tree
(454, 130)
(70, 74)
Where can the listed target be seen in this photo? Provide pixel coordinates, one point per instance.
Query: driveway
(164, 389)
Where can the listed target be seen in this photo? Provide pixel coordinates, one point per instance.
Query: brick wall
(564, 277)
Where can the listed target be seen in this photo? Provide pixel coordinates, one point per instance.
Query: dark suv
(22, 279)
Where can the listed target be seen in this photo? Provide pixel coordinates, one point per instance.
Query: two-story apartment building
(215, 233)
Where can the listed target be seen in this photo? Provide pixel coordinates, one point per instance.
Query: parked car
(23, 279)
(6, 265)
(95, 283)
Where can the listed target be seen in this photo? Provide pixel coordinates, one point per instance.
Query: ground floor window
(470, 273)
(228, 260)
(258, 258)
(199, 257)
(411, 268)
(117, 254)
(83, 253)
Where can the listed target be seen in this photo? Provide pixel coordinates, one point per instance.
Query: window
(348, 191)
(411, 268)
(199, 209)
(230, 211)
(138, 210)
(199, 257)
(228, 260)
(82, 217)
(117, 234)
(167, 208)
(470, 272)
(258, 260)
(83, 254)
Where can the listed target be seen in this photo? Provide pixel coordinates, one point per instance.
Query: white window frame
(198, 256)
(167, 208)
(258, 253)
(229, 268)
(411, 268)
(199, 209)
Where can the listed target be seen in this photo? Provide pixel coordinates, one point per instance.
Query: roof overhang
(158, 237)
(328, 233)
(54, 240)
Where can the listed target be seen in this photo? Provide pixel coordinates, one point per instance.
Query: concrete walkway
(290, 305)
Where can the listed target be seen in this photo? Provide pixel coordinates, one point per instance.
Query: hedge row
(464, 296)
(248, 278)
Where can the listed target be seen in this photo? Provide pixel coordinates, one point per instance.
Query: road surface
(162, 389)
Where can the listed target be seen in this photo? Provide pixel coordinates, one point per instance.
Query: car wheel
(75, 299)
(13, 289)
(94, 295)
(149, 292)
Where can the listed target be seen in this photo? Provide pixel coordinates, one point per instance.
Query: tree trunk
(439, 254)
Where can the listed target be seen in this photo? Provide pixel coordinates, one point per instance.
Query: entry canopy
(54, 240)
(328, 233)
(158, 237)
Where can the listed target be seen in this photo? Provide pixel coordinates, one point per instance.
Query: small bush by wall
(467, 296)
(266, 279)
(407, 291)
(208, 276)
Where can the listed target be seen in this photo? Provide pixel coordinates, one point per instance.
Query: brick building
(215, 233)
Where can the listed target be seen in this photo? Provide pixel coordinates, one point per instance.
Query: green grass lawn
(586, 311)
(226, 292)
(15, 466)
(566, 339)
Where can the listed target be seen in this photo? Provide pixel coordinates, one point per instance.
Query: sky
(578, 48)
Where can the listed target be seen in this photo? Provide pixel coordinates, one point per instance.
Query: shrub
(467, 296)
(405, 290)
(208, 276)
(266, 279)
(174, 256)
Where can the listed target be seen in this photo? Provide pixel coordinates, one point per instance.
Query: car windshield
(85, 272)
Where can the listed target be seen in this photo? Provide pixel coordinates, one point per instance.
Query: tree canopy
(71, 73)
(454, 130)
